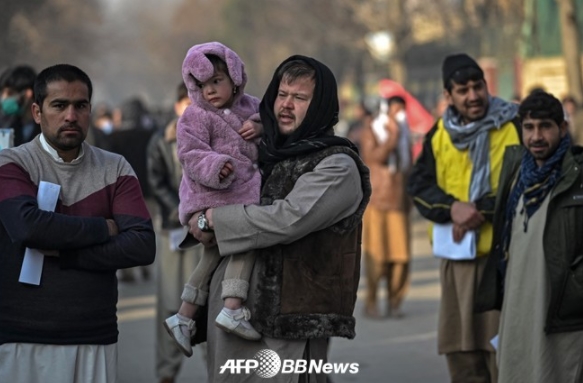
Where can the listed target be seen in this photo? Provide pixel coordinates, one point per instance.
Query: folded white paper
(32, 265)
(6, 138)
(445, 247)
(494, 342)
(176, 237)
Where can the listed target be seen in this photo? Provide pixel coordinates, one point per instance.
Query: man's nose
(473, 95)
(288, 103)
(536, 134)
(71, 113)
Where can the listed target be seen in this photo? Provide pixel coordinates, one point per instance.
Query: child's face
(218, 90)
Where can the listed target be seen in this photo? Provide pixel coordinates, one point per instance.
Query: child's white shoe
(175, 325)
(237, 322)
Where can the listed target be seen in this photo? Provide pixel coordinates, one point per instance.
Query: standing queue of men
(507, 174)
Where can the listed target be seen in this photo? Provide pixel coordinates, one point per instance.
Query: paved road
(387, 351)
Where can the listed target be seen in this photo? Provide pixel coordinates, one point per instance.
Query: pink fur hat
(197, 65)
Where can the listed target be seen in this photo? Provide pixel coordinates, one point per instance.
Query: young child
(218, 151)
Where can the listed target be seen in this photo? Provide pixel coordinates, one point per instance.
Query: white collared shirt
(49, 149)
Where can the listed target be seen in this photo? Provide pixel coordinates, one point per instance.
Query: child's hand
(225, 171)
(251, 130)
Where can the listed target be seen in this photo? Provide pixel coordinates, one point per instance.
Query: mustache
(70, 127)
(286, 114)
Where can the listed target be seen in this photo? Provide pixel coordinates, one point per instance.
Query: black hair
(181, 92)
(396, 100)
(463, 76)
(542, 105)
(218, 64)
(18, 78)
(294, 69)
(101, 110)
(55, 73)
(536, 89)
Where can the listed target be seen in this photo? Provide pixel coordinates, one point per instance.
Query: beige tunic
(460, 329)
(386, 233)
(319, 199)
(386, 236)
(387, 250)
(525, 352)
(43, 363)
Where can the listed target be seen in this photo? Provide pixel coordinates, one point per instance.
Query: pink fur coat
(207, 138)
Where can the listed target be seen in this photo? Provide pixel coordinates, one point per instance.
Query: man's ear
(36, 112)
(447, 97)
(564, 128)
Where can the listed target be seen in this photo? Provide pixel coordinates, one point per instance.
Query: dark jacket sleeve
(158, 177)
(489, 294)
(485, 205)
(135, 245)
(38, 229)
(432, 202)
(517, 124)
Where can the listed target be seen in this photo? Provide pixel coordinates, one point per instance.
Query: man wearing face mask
(16, 98)
(386, 150)
(454, 182)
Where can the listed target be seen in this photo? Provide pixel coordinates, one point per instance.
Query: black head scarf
(316, 131)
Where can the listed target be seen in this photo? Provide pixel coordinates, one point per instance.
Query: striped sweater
(76, 300)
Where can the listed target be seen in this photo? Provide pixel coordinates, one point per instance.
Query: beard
(67, 138)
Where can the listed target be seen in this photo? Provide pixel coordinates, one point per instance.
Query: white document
(6, 138)
(445, 247)
(494, 342)
(176, 237)
(32, 266)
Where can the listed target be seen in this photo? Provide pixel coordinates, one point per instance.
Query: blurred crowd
(127, 128)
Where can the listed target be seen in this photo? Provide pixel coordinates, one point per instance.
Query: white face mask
(401, 116)
(107, 127)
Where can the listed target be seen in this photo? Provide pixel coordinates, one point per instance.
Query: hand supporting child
(251, 130)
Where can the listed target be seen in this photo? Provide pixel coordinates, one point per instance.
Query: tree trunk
(572, 55)
(400, 31)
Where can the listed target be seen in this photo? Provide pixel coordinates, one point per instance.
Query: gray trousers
(174, 268)
(236, 281)
(472, 367)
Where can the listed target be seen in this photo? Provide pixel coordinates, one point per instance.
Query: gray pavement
(387, 350)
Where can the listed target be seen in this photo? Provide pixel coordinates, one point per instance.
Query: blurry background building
(137, 48)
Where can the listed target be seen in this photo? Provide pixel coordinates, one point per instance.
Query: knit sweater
(75, 302)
